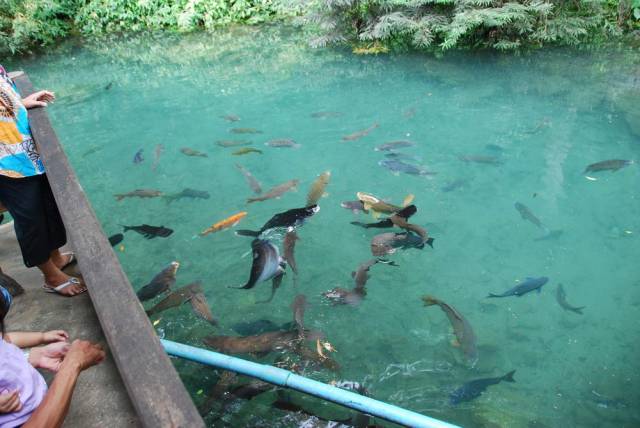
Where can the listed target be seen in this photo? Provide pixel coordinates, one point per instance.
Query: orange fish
(224, 224)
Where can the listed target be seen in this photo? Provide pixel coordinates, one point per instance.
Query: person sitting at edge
(25, 191)
(24, 399)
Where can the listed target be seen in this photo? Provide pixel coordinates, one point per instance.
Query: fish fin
(375, 214)
(244, 287)
(539, 290)
(366, 206)
(408, 199)
(245, 232)
(509, 376)
(429, 242)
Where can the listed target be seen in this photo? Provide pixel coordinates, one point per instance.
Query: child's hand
(55, 336)
(10, 402)
(49, 357)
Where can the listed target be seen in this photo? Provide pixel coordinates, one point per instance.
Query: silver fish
(393, 145)
(283, 143)
(399, 166)
(251, 180)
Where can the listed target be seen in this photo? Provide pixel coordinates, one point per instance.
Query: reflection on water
(496, 129)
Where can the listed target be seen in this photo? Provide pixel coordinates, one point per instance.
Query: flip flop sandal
(72, 260)
(59, 288)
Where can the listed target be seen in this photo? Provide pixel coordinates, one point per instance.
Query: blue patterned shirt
(18, 154)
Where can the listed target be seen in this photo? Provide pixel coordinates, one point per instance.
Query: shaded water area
(498, 130)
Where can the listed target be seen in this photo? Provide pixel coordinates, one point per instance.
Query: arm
(55, 406)
(24, 339)
(53, 409)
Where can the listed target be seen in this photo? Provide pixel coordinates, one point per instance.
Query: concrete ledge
(156, 391)
(100, 399)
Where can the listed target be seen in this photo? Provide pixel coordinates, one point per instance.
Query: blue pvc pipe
(291, 380)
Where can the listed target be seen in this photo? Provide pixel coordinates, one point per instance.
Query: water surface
(541, 117)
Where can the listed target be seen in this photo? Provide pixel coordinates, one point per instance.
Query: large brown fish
(288, 248)
(387, 243)
(246, 131)
(461, 328)
(317, 188)
(276, 192)
(353, 297)
(160, 283)
(191, 152)
(201, 308)
(607, 165)
(251, 180)
(402, 223)
(298, 306)
(359, 134)
(373, 203)
(261, 343)
(139, 193)
(176, 298)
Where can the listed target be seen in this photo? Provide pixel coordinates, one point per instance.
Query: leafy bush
(24, 23)
(445, 24)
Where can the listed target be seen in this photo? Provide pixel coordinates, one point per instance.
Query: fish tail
(579, 310)
(509, 376)
(245, 232)
(387, 262)
(359, 223)
(126, 228)
(244, 287)
(493, 295)
(429, 242)
(429, 300)
(119, 197)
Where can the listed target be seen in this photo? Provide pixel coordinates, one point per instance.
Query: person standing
(26, 194)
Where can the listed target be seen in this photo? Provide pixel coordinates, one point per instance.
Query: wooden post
(156, 391)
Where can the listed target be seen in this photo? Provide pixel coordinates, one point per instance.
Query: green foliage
(445, 24)
(24, 23)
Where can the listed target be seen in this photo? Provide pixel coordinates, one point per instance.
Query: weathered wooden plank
(157, 394)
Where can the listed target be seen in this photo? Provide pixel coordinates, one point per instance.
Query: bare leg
(58, 259)
(53, 277)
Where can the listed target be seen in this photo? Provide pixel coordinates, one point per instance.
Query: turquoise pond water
(540, 118)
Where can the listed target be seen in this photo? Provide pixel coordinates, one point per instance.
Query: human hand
(38, 99)
(49, 357)
(10, 402)
(85, 354)
(54, 336)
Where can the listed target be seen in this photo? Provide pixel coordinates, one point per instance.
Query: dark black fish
(267, 264)
(108, 86)
(116, 239)
(150, 232)
(287, 219)
(475, 388)
(561, 298)
(138, 157)
(12, 286)
(160, 283)
(405, 213)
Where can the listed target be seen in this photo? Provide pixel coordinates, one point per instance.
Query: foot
(56, 280)
(61, 260)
